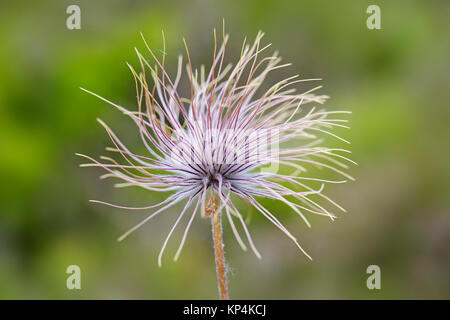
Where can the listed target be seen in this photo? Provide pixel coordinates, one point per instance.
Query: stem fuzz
(216, 220)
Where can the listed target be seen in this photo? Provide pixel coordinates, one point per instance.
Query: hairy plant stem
(216, 221)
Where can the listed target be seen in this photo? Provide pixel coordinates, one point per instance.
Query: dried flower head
(226, 140)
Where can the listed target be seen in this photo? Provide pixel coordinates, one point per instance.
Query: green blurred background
(395, 80)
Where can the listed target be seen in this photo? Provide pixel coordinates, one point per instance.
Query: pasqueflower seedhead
(232, 136)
